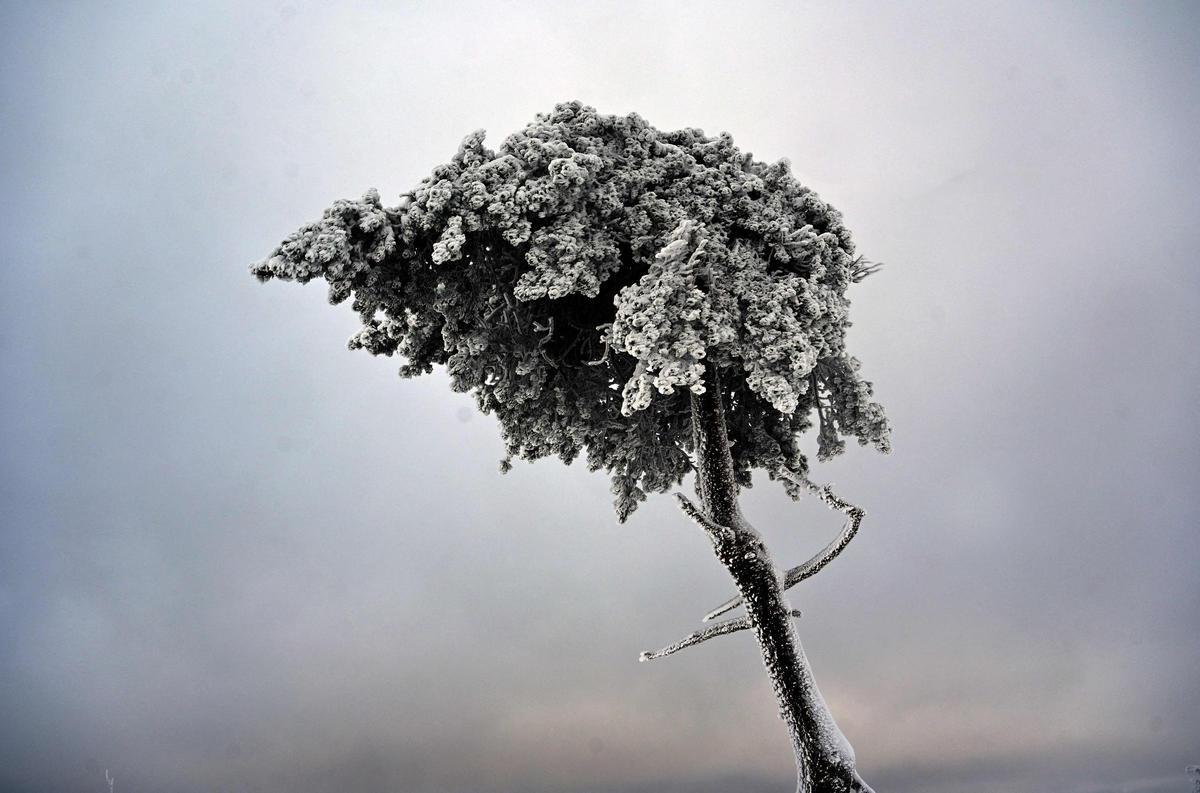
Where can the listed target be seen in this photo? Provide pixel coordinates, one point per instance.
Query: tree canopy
(579, 280)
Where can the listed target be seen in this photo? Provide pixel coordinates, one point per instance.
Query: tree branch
(720, 629)
(854, 517)
(715, 531)
(607, 347)
(795, 575)
(860, 268)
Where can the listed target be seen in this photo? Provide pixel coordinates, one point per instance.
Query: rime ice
(578, 280)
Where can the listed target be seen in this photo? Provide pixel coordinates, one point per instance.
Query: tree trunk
(824, 759)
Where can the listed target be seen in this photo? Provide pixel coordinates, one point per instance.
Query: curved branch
(854, 517)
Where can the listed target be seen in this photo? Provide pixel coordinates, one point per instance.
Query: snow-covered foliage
(578, 280)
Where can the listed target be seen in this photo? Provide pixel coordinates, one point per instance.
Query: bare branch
(602, 358)
(823, 492)
(720, 629)
(795, 575)
(603, 338)
(827, 554)
(860, 268)
(727, 606)
(715, 530)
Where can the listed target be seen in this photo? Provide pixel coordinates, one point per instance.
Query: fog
(235, 556)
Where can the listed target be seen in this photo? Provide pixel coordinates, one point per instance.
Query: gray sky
(235, 556)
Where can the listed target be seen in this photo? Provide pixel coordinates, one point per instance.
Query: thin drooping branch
(720, 629)
(854, 517)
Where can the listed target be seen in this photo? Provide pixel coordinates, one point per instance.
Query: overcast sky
(235, 556)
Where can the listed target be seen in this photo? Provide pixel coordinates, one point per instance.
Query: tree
(658, 301)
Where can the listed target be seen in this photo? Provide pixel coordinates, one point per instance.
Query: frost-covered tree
(659, 302)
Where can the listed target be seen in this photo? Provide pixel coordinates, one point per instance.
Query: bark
(824, 759)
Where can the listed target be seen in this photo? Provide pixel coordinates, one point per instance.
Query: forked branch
(716, 532)
(795, 575)
(720, 629)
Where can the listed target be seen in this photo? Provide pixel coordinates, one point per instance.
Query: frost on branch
(698, 637)
(579, 278)
(663, 321)
(815, 564)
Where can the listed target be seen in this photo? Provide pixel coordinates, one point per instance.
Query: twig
(720, 629)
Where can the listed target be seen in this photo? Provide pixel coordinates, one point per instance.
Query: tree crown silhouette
(579, 280)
